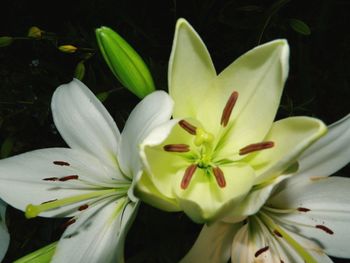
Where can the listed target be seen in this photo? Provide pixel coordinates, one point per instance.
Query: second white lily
(92, 181)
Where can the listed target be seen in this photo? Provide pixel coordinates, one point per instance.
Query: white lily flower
(4, 234)
(93, 180)
(304, 218)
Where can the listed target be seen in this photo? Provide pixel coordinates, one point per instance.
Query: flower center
(203, 140)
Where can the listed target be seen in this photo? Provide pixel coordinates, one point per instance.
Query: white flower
(4, 235)
(304, 218)
(92, 181)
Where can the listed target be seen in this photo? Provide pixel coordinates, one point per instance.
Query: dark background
(30, 70)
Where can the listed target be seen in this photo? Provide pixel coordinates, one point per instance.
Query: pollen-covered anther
(226, 113)
(51, 179)
(61, 163)
(219, 176)
(188, 127)
(189, 172)
(69, 177)
(83, 207)
(176, 148)
(303, 209)
(256, 147)
(68, 223)
(260, 251)
(277, 233)
(325, 229)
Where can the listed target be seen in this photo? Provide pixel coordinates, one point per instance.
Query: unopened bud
(125, 63)
(67, 48)
(6, 41)
(35, 32)
(79, 70)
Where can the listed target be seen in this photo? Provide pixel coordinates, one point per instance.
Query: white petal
(152, 111)
(213, 244)
(329, 201)
(84, 123)
(254, 200)
(328, 154)
(99, 235)
(21, 177)
(4, 234)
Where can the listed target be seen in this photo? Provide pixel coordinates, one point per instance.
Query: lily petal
(191, 71)
(152, 111)
(4, 234)
(258, 76)
(329, 204)
(28, 178)
(213, 244)
(254, 200)
(291, 136)
(99, 235)
(210, 207)
(84, 123)
(328, 154)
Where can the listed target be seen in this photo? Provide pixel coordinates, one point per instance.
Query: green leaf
(299, 26)
(42, 255)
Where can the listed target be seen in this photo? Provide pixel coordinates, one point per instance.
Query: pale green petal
(213, 244)
(204, 200)
(191, 71)
(148, 193)
(84, 122)
(329, 202)
(258, 76)
(291, 137)
(153, 110)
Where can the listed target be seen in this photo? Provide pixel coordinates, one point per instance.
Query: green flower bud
(6, 41)
(79, 70)
(67, 48)
(35, 32)
(127, 66)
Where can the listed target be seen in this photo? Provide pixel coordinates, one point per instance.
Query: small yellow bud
(6, 41)
(35, 32)
(67, 48)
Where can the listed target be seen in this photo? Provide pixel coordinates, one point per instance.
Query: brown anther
(219, 176)
(277, 233)
(49, 201)
(325, 229)
(61, 163)
(68, 223)
(176, 148)
(188, 127)
(226, 113)
(303, 209)
(83, 207)
(260, 251)
(256, 147)
(51, 179)
(186, 179)
(69, 177)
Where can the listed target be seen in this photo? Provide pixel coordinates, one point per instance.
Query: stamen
(219, 176)
(325, 229)
(68, 223)
(61, 163)
(260, 251)
(188, 127)
(188, 176)
(226, 113)
(83, 207)
(176, 148)
(35, 210)
(277, 233)
(256, 147)
(51, 179)
(68, 177)
(303, 209)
